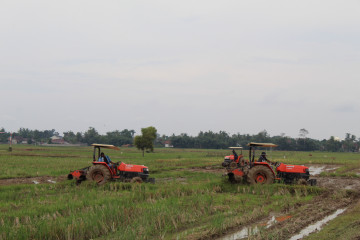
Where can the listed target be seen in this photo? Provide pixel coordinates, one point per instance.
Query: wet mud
(296, 218)
(337, 183)
(317, 226)
(32, 180)
(303, 219)
(252, 230)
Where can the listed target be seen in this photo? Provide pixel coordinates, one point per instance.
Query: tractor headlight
(146, 170)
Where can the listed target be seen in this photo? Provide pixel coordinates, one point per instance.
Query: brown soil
(31, 180)
(336, 183)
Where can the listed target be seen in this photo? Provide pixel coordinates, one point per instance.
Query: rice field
(190, 200)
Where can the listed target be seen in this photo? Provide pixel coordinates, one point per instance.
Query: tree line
(205, 140)
(116, 137)
(222, 140)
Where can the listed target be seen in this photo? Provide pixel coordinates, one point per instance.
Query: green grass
(133, 211)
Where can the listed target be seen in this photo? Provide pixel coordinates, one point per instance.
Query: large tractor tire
(99, 174)
(260, 175)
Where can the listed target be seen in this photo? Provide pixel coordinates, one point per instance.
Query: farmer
(263, 158)
(107, 160)
(235, 154)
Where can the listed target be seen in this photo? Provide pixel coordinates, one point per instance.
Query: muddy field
(301, 220)
(297, 218)
(182, 177)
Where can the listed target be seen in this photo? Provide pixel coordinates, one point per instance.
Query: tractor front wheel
(260, 175)
(136, 180)
(99, 174)
(302, 181)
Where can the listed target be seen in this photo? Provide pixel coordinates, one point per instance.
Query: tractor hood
(230, 157)
(292, 168)
(132, 168)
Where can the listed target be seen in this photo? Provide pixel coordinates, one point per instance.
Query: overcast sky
(181, 66)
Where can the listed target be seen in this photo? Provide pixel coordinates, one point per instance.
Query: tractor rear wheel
(260, 175)
(99, 174)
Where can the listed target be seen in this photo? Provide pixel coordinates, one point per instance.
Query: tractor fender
(112, 171)
(264, 164)
(102, 163)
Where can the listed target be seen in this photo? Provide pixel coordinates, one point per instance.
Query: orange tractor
(102, 172)
(261, 172)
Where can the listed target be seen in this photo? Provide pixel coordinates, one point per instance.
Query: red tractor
(102, 172)
(255, 172)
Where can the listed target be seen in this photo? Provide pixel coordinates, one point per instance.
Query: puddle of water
(244, 233)
(247, 231)
(316, 170)
(316, 226)
(330, 169)
(271, 222)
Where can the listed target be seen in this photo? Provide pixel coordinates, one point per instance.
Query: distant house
(168, 144)
(16, 139)
(19, 140)
(57, 140)
(337, 139)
